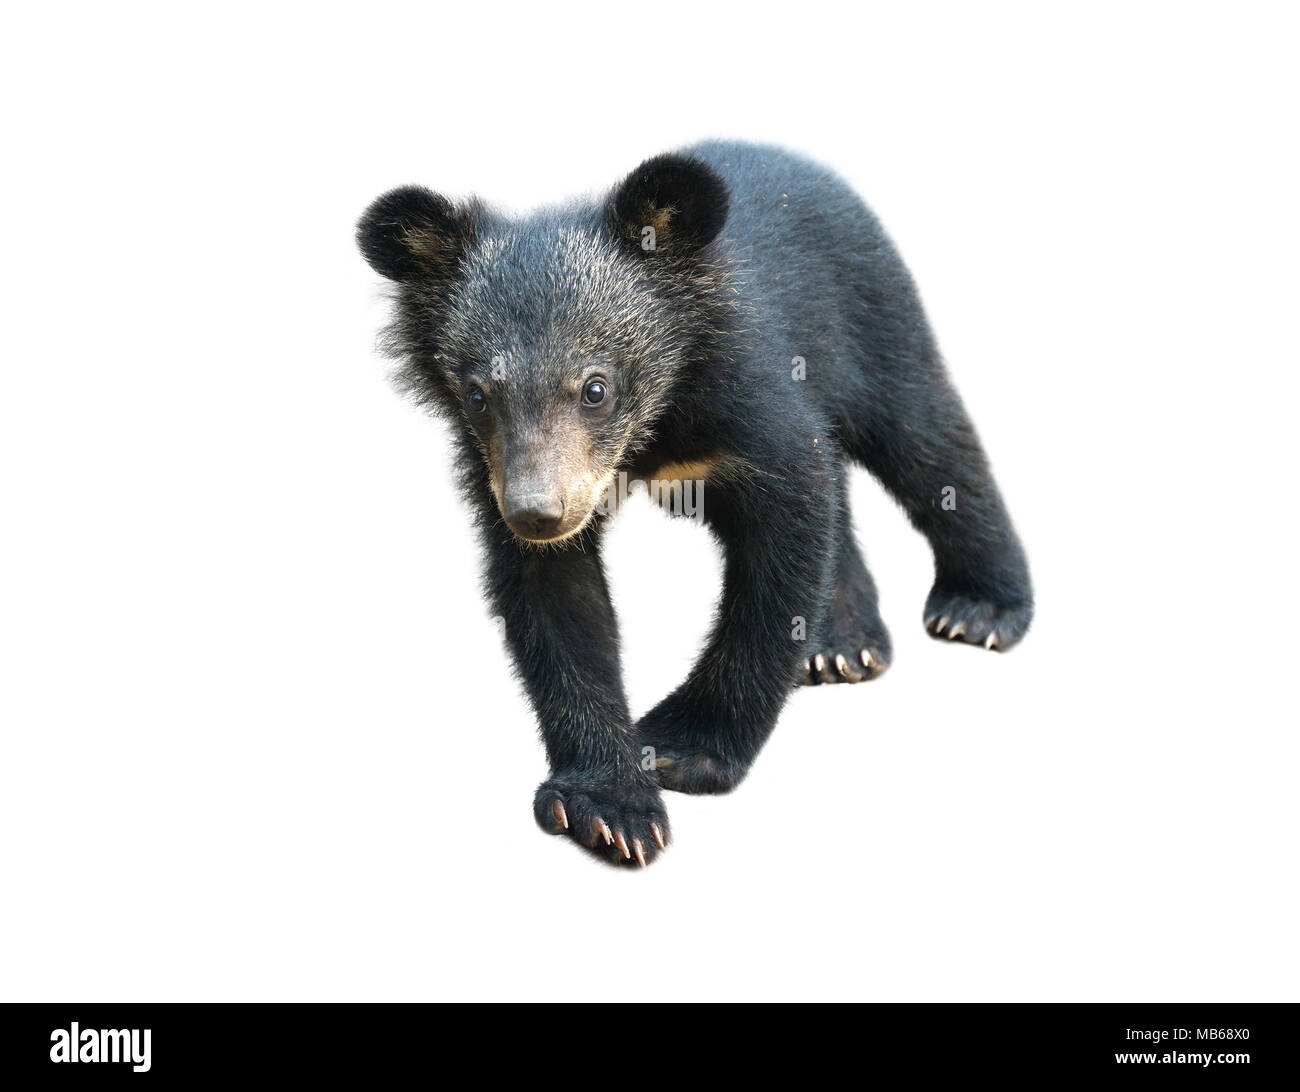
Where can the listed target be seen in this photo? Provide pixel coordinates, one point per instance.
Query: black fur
(759, 260)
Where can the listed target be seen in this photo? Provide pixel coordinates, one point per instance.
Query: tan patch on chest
(716, 468)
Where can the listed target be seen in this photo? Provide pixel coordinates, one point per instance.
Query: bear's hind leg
(851, 644)
(922, 447)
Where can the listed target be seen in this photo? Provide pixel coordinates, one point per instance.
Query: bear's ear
(673, 203)
(412, 232)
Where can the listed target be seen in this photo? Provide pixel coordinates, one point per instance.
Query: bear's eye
(595, 392)
(476, 400)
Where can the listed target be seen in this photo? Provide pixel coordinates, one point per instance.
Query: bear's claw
(623, 823)
(841, 668)
(975, 621)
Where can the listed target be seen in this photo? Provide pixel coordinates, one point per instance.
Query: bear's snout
(534, 515)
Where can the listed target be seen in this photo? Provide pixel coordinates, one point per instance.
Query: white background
(260, 739)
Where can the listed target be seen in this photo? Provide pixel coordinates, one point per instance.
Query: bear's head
(554, 341)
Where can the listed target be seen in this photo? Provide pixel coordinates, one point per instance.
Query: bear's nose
(536, 515)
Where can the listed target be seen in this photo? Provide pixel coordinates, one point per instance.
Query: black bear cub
(730, 323)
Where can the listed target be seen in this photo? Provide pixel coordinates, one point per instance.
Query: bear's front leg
(561, 627)
(776, 533)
